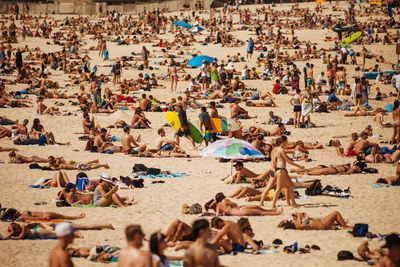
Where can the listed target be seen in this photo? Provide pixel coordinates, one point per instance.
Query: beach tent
(197, 61)
(183, 24)
(197, 29)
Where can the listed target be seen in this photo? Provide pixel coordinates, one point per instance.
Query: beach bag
(153, 171)
(185, 209)
(82, 183)
(139, 168)
(9, 215)
(345, 255)
(360, 230)
(315, 189)
(137, 183)
(195, 209)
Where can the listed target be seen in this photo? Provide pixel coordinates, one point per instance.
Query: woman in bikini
(14, 214)
(329, 170)
(19, 231)
(173, 75)
(226, 207)
(281, 177)
(19, 159)
(301, 221)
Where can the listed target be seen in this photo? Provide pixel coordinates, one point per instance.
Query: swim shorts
(166, 147)
(237, 247)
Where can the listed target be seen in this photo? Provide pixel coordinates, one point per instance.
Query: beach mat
(376, 186)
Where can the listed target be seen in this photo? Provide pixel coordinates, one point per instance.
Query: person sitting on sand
(301, 221)
(20, 159)
(43, 109)
(132, 255)
(201, 252)
(178, 231)
(226, 207)
(238, 112)
(234, 234)
(129, 144)
(244, 175)
(38, 130)
(139, 120)
(168, 147)
(71, 196)
(105, 194)
(366, 254)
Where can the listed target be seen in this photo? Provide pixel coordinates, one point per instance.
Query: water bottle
(295, 246)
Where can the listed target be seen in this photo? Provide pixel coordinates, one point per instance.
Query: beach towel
(37, 186)
(376, 186)
(262, 251)
(163, 175)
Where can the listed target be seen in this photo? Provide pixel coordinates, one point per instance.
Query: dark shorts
(237, 247)
(297, 109)
(250, 51)
(185, 132)
(358, 96)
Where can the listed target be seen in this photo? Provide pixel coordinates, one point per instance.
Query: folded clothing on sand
(163, 175)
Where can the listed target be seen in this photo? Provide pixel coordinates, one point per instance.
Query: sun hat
(64, 229)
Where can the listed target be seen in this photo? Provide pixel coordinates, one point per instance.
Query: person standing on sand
(132, 256)
(201, 253)
(58, 256)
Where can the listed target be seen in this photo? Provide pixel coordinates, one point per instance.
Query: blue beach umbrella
(197, 61)
(182, 24)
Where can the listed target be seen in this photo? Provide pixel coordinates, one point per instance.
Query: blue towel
(375, 186)
(163, 175)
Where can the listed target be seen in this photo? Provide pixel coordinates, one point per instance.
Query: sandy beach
(159, 204)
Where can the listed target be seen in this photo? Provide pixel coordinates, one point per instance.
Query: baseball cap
(64, 229)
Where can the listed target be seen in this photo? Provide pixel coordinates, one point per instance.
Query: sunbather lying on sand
(301, 221)
(329, 170)
(226, 207)
(20, 159)
(13, 214)
(19, 231)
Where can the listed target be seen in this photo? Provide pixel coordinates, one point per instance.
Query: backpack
(315, 189)
(360, 230)
(139, 168)
(195, 209)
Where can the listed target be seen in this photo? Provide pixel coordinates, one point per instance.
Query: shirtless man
(132, 256)
(233, 233)
(145, 103)
(213, 110)
(58, 256)
(349, 147)
(341, 80)
(201, 253)
(238, 112)
(245, 175)
(392, 259)
(363, 144)
(310, 76)
(129, 144)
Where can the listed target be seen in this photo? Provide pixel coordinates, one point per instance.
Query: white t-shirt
(396, 79)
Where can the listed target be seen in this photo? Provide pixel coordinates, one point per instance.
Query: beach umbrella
(197, 29)
(182, 24)
(231, 148)
(197, 61)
